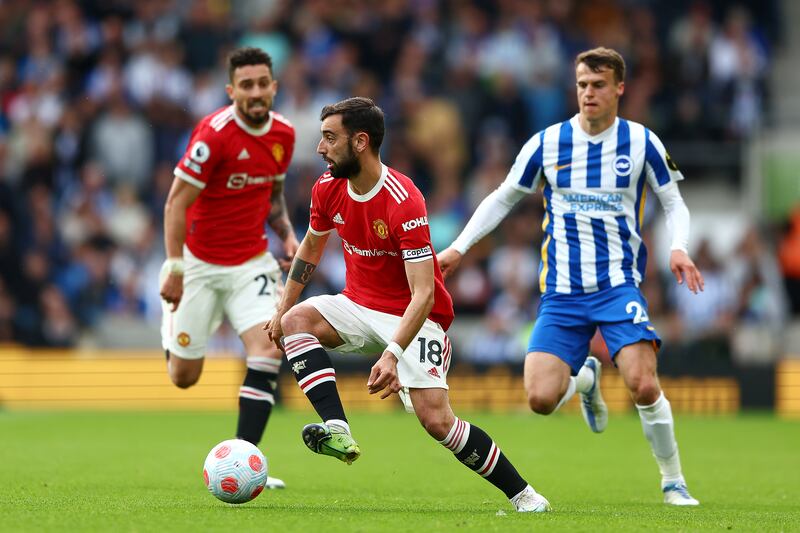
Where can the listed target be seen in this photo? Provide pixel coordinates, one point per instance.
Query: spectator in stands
(93, 95)
(789, 256)
(709, 314)
(122, 142)
(756, 278)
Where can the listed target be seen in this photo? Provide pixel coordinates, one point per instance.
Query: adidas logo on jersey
(337, 219)
(433, 372)
(243, 154)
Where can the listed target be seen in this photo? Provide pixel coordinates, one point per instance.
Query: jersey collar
(369, 195)
(258, 132)
(603, 135)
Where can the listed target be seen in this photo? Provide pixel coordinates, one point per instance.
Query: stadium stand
(97, 100)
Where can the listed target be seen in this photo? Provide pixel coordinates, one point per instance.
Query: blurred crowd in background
(97, 99)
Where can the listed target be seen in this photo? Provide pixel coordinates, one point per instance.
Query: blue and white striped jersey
(594, 197)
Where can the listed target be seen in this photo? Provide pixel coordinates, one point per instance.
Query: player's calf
(257, 397)
(313, 370)
(478, 452)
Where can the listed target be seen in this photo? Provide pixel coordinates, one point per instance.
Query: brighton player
(226, 187)
(593, 169)
(394, 302)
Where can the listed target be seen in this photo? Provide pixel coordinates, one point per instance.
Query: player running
(394, 302)
(229, 183)
(593, 169)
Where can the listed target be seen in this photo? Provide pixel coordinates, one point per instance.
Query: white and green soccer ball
(235, 471)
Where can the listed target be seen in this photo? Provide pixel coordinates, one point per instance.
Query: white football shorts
(247, 294)
(425, 362)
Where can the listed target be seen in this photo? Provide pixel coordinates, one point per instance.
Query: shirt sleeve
(201, 158)
(492, 210)
(410, 225)
(661, 169)
(319, 222)
(677, 215)
(526, 172)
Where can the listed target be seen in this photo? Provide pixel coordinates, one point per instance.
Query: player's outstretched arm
(181, 195)
(421, 282)
(281, 225)
(678, 223)
(491, 211)
(303, 266)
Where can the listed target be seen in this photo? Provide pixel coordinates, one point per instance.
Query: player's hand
(684, 269)
(449, 259)
(290, 246)
(172, 290)
(384, 376)
(274, 329)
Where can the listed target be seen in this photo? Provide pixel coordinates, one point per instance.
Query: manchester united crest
(278, 152)
(381, 229)
(184, 339)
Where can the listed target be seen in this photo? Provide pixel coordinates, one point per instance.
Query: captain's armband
(301, 271)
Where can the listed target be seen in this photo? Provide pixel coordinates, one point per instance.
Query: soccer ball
(235, 471)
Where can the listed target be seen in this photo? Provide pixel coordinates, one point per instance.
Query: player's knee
(436, 424)
(645, 391)
(540, 403)
(183, 379)
(295, 321)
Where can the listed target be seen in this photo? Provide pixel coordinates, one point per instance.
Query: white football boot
(530, 501)
(274, 483)
(676, 493)
(594, 409)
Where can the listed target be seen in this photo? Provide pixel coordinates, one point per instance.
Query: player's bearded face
(345, 165)
(255, 110)
(252, 91)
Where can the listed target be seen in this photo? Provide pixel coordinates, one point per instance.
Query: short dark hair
(248, 55)
(600, 57)
(359, 114)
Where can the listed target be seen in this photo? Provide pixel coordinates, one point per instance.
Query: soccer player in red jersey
(394, 302)
(226, 187)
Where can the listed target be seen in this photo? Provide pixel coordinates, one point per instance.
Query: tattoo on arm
(278, 215)
(301, 271)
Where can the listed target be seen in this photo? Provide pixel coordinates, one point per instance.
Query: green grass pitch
(109, 471)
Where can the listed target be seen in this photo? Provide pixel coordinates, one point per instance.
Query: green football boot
(331, 440)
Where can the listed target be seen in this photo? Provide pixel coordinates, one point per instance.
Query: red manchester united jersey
(379, 230)
(235, 165)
